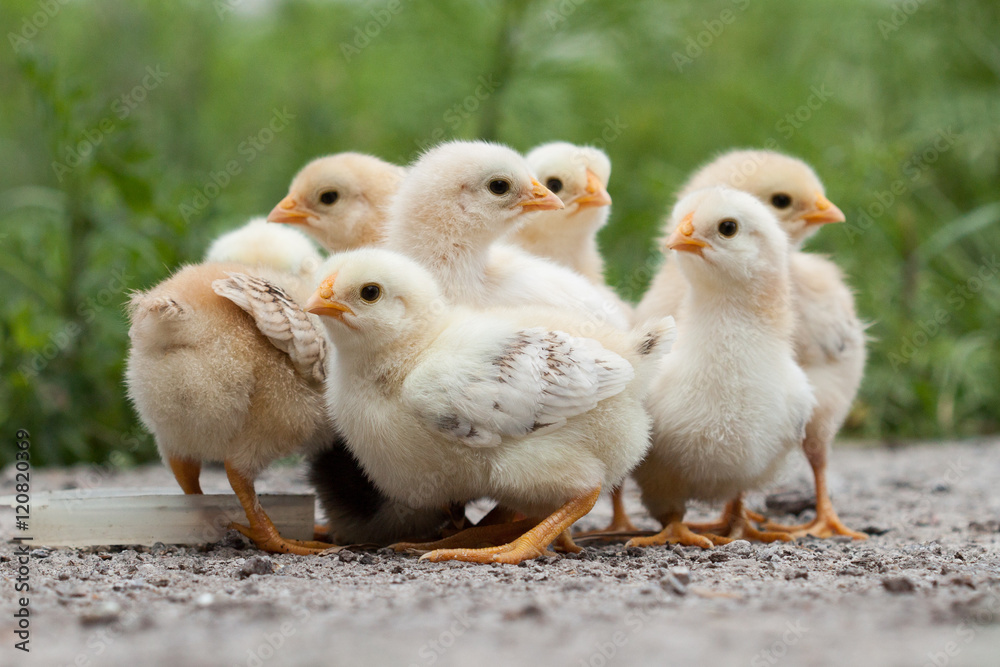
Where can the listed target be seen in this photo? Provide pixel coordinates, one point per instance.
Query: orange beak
(596, 195)
(322, 303)
(289, 211)
(824, 211)
(541, 199)
(682, 238)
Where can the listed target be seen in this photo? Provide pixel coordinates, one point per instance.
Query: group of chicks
(460, 343)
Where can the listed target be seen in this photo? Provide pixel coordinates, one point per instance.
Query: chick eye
(371, 293)
(554, 184)
(329, 197)
(728, 228)
(499, 186)
(781, 200)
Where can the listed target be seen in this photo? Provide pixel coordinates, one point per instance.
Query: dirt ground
(924, 590)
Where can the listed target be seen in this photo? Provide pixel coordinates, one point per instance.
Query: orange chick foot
(271, 542)
(676, 532)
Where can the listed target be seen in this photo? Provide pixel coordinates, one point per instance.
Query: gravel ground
(924, 590)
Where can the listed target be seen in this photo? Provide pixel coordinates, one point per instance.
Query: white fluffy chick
(341, 200)
(239, 384)
(730, 402)
(259, 244)
(829, 336)
(578, 175)
(456, 201)
(441, 404)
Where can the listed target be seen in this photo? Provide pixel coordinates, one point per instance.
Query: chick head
(727, 238)
(339, 199)
(373, 298)
(471, 188)
(787, 185)
(260, 244)
(578, 175)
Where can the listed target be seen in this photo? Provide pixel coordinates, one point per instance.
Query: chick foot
(826, 524)
(473, 538)
(676, 532)
(739, 525)
(261, 530)
(531, 544)
(723, 524)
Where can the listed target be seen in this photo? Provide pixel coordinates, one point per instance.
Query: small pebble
(256, 565)
(899, 584)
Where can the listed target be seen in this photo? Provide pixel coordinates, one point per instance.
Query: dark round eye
(499, 186)
(728, 228)
(781, 200)
(328, 197)
(554, 184)
(370, 293)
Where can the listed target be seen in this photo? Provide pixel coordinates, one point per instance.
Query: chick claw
(272, 542)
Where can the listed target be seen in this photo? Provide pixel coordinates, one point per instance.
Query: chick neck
(761, 302)
(569, 239)
(454, 249)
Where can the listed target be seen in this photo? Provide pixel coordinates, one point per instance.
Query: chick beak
(541, 199)
(289, 211)
(823, 211)
(596, 195)
(683, 240)
(322, 303)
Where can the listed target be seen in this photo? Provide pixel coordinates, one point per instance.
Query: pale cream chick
(341, 200)
(829, 336)
(441, 404)
(786, 185)
(730, 402)
(456, 202)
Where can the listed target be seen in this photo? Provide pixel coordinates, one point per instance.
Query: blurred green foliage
(119, 119)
